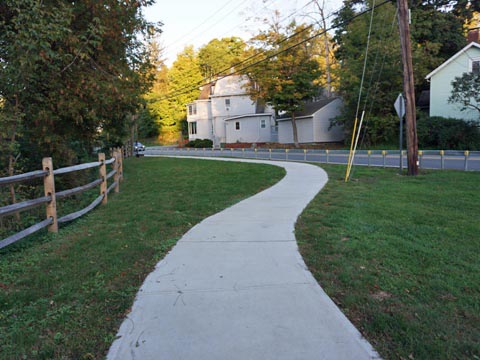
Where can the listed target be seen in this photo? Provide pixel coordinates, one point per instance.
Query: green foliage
(437, 32)
(173, 89)
(447, 134)
(383, 73)
(218, 56)
(69, 71)
(200, 143)
(466, 91)
(286, 79)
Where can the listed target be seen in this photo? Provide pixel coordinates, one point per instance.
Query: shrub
(447, 133)
(200, 143)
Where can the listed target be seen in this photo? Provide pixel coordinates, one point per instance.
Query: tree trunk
(294, 129)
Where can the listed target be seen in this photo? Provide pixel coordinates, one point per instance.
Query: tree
(466, 91)
(383, 75)
(437, 33)
(173, 89)
(69, 70)
(286, 76)
(218, 56)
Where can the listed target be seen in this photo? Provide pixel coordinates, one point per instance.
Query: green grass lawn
(63, 296)
(400, 256)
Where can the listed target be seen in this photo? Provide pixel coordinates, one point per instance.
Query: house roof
(309, 109)
(472, 44)
(205, 91)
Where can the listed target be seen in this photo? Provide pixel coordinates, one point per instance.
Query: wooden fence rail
(51, 196)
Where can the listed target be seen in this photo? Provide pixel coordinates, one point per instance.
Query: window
(227, 104)
(192, 109)
(263, 124)
(476, 66)
(237, 125)
(192, 128)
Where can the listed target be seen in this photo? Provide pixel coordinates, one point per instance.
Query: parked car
(138, 146)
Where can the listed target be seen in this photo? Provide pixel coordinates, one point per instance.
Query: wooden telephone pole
(408, 87)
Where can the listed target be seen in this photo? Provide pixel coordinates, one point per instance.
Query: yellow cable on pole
(347, 173)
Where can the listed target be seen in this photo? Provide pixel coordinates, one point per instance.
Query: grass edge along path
(65, 295)
(399, 256)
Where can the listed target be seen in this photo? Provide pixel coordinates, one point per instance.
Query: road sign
(400, 106)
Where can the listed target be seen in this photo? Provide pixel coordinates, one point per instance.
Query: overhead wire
(241, 70)
(351, 157)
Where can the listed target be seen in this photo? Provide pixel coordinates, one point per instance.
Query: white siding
(304, 130)
(440, 87)
(322, 120)
(203, 120)
(250, 129)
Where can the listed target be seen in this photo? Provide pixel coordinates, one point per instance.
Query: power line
(347, 21)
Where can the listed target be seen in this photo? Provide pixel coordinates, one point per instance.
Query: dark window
(263, 123)
(476, 66)
(192, 128)
(237, 125)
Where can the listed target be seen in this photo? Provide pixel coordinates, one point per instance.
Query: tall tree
(286, 77)
(218, 56)
(173, 90)
(70, 70)
(383, 75)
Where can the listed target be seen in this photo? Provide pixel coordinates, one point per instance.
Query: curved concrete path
(236, 287)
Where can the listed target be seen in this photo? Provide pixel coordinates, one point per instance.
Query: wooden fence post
(49, 187)
(120, 164)
(116, 167)
(103, 175)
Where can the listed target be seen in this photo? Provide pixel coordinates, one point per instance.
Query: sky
(194, 22)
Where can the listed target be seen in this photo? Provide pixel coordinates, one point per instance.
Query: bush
(200, 143)
(447, 134)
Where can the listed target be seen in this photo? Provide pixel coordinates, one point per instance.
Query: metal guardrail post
(442, 159)
(243, 152)
(270, 154)
(384, 154)
(420, 158)
(369, 152)
(466, 153)
(103, 175)
(49, 188)
(286, 154)
(327, 152)
(256, 153)
(304, 154)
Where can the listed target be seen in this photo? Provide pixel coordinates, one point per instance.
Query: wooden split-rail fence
(51, 196)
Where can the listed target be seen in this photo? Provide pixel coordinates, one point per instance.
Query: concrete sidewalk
(236, 287)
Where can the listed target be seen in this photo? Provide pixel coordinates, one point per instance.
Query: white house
(313, 123)
(224, 113)
(466, 60)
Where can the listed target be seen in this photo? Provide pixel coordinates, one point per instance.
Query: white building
(224, 113)
(313, 123)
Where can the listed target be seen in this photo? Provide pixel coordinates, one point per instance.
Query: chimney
(473, 35)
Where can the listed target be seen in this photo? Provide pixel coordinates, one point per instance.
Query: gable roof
(472, 44)
(309, 109)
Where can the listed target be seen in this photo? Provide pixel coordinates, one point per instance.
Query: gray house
(313, 123)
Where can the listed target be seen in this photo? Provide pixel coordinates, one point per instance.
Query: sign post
(400, 109)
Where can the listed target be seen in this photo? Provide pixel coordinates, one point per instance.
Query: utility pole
(408, 87)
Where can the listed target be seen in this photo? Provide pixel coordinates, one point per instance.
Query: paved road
(235, 287)
(454, 160)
